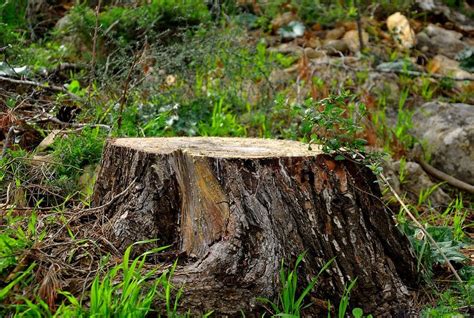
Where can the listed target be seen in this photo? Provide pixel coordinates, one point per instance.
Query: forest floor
(73, 75)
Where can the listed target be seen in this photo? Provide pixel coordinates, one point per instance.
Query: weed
(336, 120)
(427, 89)
(426, 193)
(75, 151)
(344, 302)
(427, 255)
(404, 122)
(124, 291)
(222, 123)
(290, 303)
(402, 171)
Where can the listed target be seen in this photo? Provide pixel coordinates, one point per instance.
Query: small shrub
(334, 122)
(75, 151)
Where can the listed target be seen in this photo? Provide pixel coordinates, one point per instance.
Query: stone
(448, 131)
(453, 15)
(313, 54)
(335, 34)
(288, 48)
(282, 20)
(335, 46)
(352, 40)
(435, 40)
(313, 42)
(445, 66)
(401, 31)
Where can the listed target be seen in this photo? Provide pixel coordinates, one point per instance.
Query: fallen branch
(417, 155)
(74, 125)
(85, 212)
(422, 228)
(39, 84)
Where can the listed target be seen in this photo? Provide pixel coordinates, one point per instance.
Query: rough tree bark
(234, 208)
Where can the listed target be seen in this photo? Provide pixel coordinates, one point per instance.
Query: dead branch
(74, 125)
(417, 154)
(6, 144)
(39, 84)
(422, 228)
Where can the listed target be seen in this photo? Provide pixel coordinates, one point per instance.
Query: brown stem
(359, 26)
(94, 48)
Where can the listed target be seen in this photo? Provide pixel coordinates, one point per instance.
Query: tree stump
(233, 208)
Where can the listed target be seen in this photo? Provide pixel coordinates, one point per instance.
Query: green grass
(222, 86)
(290, 302)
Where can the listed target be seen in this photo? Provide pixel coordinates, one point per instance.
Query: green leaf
(357, 312)
(6, 289)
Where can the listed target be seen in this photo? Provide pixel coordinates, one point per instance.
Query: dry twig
(422, 228)
(417, 154)
(39, 84)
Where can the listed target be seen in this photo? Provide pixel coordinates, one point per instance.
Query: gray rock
(352, 40)
(461, 21)
(336, 33)
(448, 130)
(335, 46)
(436, 40)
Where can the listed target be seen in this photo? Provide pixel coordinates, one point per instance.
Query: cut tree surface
(233, 209)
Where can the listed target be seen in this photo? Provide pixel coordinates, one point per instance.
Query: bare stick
(75, 125)
(126, 86)
(359, 27)
(94, 49)
(418, 157)
(422, 228)
(6, 144)
(39, 84)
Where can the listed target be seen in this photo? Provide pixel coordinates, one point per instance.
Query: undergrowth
(179, 68)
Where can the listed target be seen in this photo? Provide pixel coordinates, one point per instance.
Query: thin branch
(6, 144)
(359, 27)
(38, 84)
(84, 212)
(126, 87)
(94, 50)
(422, 228)
(417, 154)
(74, 125)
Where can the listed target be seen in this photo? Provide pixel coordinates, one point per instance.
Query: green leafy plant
(290, 303)
(128, 297)
(344, 302)
(126, 290)
(404, 122)
(426, 193)
(428, 255)
(335, 123)
(222, 123)
(75, 151)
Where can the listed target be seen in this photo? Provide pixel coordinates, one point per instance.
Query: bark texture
(234, 208)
